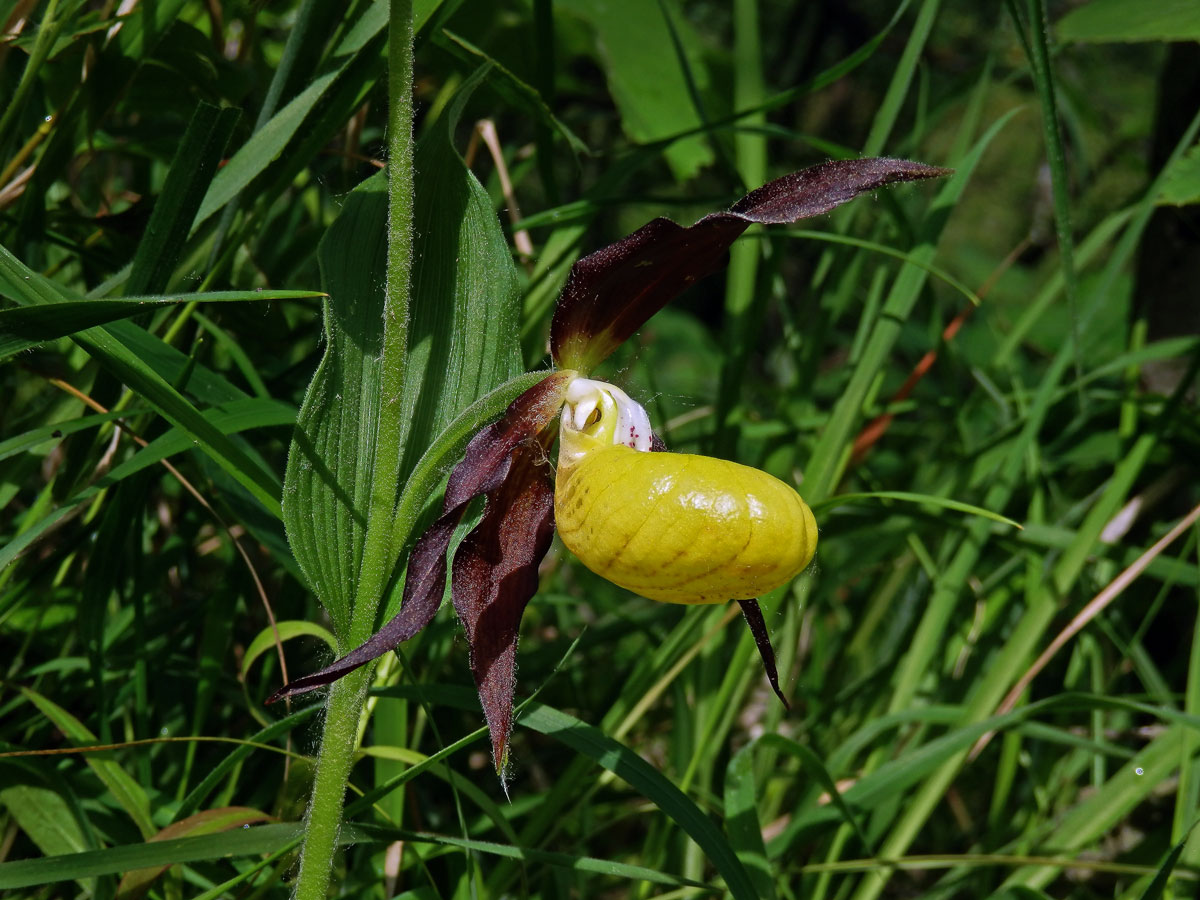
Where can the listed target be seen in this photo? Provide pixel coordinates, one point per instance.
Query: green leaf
(265, 640)
(228, 419)
(621, 761)
(114, 860)
(28, 288)
(832, 448)
(45, 817)
(212, 821)
(27, 326)
(907, 497)
(568, 861)
(200, 151)
(259, 839)
(292, 628)
(741, 814)
(128, 793)
(1158, 886)
(509, 86)
(1119, 20)
(35, 437)
(1108, 805)
(466, 296)
(269, 142)
(742, 823)
(221, 770)
(462, 344)
(1181, 180)
(1019, 892)
(647, 80)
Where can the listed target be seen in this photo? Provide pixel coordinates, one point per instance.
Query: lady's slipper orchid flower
(671, 527)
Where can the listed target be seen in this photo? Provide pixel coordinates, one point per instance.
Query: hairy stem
(346, 697)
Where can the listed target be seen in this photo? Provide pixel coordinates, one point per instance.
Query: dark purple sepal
(611, 293)
(758, 628)
(495, 575)
(821, 189)
(484, 469)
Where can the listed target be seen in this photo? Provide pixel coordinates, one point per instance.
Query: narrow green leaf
(269, 142)
(1103, 809)
(127, 792)
(23, 327)
(1101, 21)
(623, 762)
(45, 817)
(1158, 887)
(286, 630)
(511, 87)
(876, 247)
(27, 288)
(1020, 892)
(924, 499)
(115, 860)
(228, 419)
(829, 455)
(568, 861)
(200, 151)
(1181, 180)
(34, 438)
(221, 770)
(136, 882)
(742, 823)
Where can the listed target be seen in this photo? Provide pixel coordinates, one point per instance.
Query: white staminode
(584, 396)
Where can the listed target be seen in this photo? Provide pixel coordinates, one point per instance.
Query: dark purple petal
(819, 189)
(611, 293)
(495, 575)
(758, 628)
(484, 470)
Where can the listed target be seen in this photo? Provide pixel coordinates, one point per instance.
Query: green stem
(1057, 159)
(338, 743)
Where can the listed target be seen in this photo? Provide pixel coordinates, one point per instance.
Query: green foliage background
(178, 183)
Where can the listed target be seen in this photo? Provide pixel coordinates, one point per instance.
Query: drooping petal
(484, 470)
(611, 293)
(758, 628)
(495, 575)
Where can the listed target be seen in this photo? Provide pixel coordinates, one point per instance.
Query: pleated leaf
(462, 344)
(490, 460)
